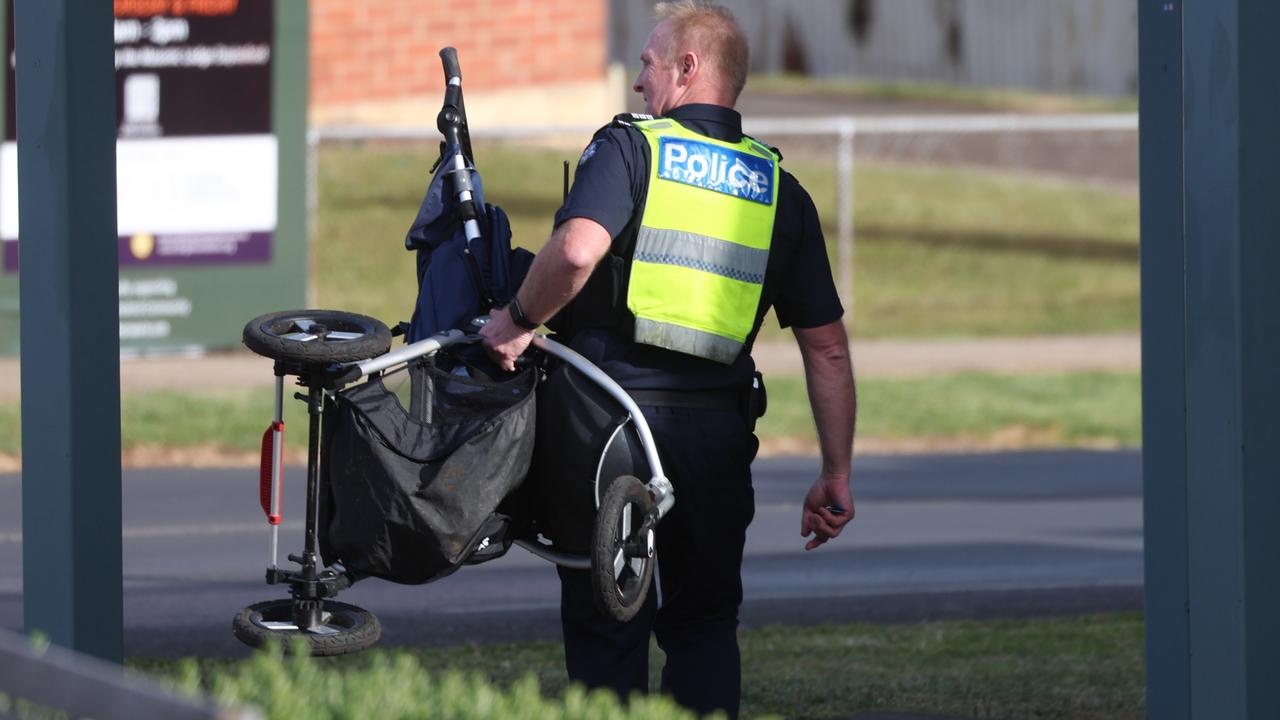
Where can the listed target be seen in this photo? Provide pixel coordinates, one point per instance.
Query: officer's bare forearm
(828, 372)
(562, 267)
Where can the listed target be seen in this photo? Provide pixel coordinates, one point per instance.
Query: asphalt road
(969, 535)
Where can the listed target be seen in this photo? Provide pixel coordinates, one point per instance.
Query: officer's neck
(726, 106)
(698, 94)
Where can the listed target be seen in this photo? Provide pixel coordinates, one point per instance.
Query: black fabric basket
(576, 419)
(409, 495)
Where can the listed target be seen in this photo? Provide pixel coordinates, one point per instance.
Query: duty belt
(729, 399)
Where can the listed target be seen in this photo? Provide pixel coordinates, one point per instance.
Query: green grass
(945, 252)
(936, 94)
(1072, 409)
(226, 420)
(1083, 667)
(938, 252)
(229, 420)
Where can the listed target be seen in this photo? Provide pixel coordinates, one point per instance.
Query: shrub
(395, 686)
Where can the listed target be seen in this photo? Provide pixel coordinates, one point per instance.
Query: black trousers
(707, 456)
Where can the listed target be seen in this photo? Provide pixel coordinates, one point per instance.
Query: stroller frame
(622, 544)
(329, 627)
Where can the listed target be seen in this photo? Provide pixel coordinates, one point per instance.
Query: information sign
(210, 111)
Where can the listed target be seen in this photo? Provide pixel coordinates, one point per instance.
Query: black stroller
(420, 459)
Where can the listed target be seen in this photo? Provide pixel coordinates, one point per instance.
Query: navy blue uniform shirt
(609, 187)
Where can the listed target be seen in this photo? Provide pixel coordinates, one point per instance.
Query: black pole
(307, 607)
(315, 408)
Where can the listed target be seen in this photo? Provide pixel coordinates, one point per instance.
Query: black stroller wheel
(345, 628)
(622, 549)
(317, 336)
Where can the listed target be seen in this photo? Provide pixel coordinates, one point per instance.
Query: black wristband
(518, 317)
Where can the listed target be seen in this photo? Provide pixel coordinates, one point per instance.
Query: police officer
(677, 237)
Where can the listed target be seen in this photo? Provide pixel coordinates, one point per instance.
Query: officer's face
(658, 80)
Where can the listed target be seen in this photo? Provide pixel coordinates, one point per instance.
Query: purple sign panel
(182, 249)
(144, 250)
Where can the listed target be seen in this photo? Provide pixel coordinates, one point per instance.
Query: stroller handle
(453, 114)
(449, 57)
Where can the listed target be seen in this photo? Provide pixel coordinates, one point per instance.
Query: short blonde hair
(714, 32)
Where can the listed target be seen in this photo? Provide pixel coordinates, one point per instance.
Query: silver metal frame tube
(471, 227)
(410, 352)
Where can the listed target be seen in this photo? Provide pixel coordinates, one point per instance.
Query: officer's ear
(689, 64)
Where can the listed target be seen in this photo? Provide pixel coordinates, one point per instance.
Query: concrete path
(872, 358)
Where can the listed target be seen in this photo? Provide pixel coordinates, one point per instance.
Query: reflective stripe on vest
(703, 246)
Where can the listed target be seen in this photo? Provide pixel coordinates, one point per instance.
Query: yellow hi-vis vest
(703, 245)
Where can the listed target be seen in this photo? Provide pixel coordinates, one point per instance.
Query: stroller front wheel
(622, 549)
(317, 336)
(343, 629)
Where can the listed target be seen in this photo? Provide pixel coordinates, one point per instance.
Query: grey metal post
(1258, 445)
(1228, 635)
(297, 184)
(69, 313)
(1164, 396)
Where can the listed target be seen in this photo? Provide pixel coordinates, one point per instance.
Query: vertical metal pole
(295, 220)
(1215, 491)
(1259, 448)
(307, 608)
(70, 318)
(315, 408)
(1225, 461)
(845, 198)
(1164, 391)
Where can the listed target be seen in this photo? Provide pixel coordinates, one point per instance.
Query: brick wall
(366, 51)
